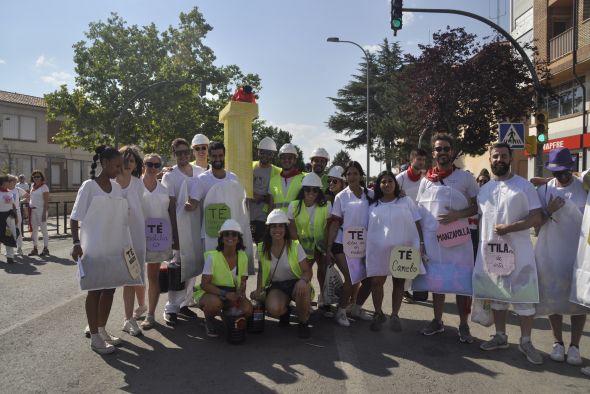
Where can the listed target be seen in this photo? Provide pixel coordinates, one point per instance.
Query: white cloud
(2, 61)
(42, 62)
(408, 18)
(372, 48)
(57, 78)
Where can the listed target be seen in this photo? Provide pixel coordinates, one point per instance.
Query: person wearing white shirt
(38, 209)
(22, 184)
(409, 180)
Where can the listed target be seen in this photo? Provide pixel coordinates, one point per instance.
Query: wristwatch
(222, 295)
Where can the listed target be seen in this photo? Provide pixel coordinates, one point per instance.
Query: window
(17, 127)
(586, 11)
(567, 100)
(56, 174)
(76, 171)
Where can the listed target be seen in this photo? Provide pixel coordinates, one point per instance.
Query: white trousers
(36, 222)
(180, 298)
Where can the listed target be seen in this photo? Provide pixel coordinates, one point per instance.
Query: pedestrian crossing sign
(512, 134)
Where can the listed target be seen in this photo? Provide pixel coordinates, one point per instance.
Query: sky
(284, 42)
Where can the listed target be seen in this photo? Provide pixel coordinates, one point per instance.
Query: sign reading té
(512, 134)
(158, 234)
(353, 242)
(404, 262)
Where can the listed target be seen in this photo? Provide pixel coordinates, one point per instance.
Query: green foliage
(340, 159)
(260, 130)
(116, 61)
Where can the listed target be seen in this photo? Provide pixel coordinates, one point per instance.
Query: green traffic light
(542, 138)
(396, 23)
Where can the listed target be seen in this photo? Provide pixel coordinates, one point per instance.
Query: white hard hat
(288, 148)
(200, 139)
(277, 216)
(312, 179)
(337, 172)
(230, 225)
(267, 143)
(320, 152)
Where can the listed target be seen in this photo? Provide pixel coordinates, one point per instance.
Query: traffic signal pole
(537, 85)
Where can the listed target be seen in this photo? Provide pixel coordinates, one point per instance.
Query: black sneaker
(303, 330)
(187, 312)
(210, 328)
(408, 297)
(170, 318)
(285, 320)
(378, 320)
(10, 260)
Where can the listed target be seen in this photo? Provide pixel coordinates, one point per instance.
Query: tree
(118, 60)
(465, 87)
(386, 96)
(261, 129)
(341, 158)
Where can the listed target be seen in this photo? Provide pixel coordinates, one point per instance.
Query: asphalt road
(42, 349)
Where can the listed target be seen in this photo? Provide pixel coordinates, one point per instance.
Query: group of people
(330, 218)
(13, 191)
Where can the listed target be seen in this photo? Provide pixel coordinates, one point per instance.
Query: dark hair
(357, 165)
(379, 192)
(443, 137)
(4, 178)
(133, 150)
(35, 172)
(179, 141)
(484, 172)
(320, 200)
(215, 145)
(267, 240)
(499, 145)
(220, 245)
(102, 152)
(418, 152)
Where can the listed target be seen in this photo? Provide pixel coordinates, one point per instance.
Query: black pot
(174, 282)
(163, 277)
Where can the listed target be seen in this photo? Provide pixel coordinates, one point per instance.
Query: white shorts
(521, 309)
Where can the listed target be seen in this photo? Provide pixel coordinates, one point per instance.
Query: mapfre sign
(572, 142)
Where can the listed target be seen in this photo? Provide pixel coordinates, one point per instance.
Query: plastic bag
(481, 312)
(332, 286)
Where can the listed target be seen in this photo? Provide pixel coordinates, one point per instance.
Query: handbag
(332, 286)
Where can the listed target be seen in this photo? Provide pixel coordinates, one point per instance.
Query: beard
(500, 169)
(218, 164)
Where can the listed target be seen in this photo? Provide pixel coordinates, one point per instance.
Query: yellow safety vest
(291, 256)
(311, 239)
(276, 190)
(221, 275)
(274, 170)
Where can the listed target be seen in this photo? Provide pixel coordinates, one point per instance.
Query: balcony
(561, 45)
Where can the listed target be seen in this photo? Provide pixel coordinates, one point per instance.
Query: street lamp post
(336, 39)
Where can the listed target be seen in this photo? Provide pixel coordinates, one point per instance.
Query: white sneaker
(359, 313)
(558, 353)
(108, 338)
(87, 331)
(130, 326)
(341, 318)
(573, 356)
(141, 309)
(585, 371)
(100, 346)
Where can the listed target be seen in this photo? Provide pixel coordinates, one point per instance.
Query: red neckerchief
(289, 173)
(436, 175)
(3, 189)
(413, 177)
(33, 188)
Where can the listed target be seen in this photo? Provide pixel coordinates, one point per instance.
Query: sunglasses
(184, 152)
(559, 174)
(231, 234)
(334, 180)
(443, 149)
(37, 177)
(200, 148)
(149, 164)
(310, 189)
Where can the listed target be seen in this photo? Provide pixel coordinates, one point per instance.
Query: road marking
(348, 361)
(39, 314)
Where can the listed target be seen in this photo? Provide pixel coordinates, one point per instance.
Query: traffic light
(530, 145)
(396, 15)
(542, 126)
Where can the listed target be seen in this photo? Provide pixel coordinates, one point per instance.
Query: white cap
(337, 172)
(320, 152)
(267, 143)
(288, 148)
(312, 179)
(276, 216)
(200, 139)
(230, 225)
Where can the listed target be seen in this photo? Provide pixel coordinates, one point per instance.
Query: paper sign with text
(215, 216)
(158, 235)
(132, 262)
(354, 242)
(453, 234)
(499, 257)
(404, 262)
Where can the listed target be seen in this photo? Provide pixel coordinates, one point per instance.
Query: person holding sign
(447, 198)
(563, 199)
(175, 182)
(100, 295)
(284, 274)
(346, 241)
(393, 221)
(505, 270)
(158, 233)
(308, 216)
(224, 277)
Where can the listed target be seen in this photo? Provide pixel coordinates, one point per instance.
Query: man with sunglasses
(319, 161)
(285, 186)
(183, 171)
(200, 146)
(263, 170)
(447, 197)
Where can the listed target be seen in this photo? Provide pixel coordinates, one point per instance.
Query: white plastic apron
(232, 194)
(555, 252)
(155, 206)
(356, 215)
(137, 222)
(504, 205)
(390, 225)
(449, 269)
(190, 244)
(580, 293)
(104, 235)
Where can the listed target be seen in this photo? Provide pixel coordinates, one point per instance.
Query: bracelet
(222, 295)
(76, 242)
